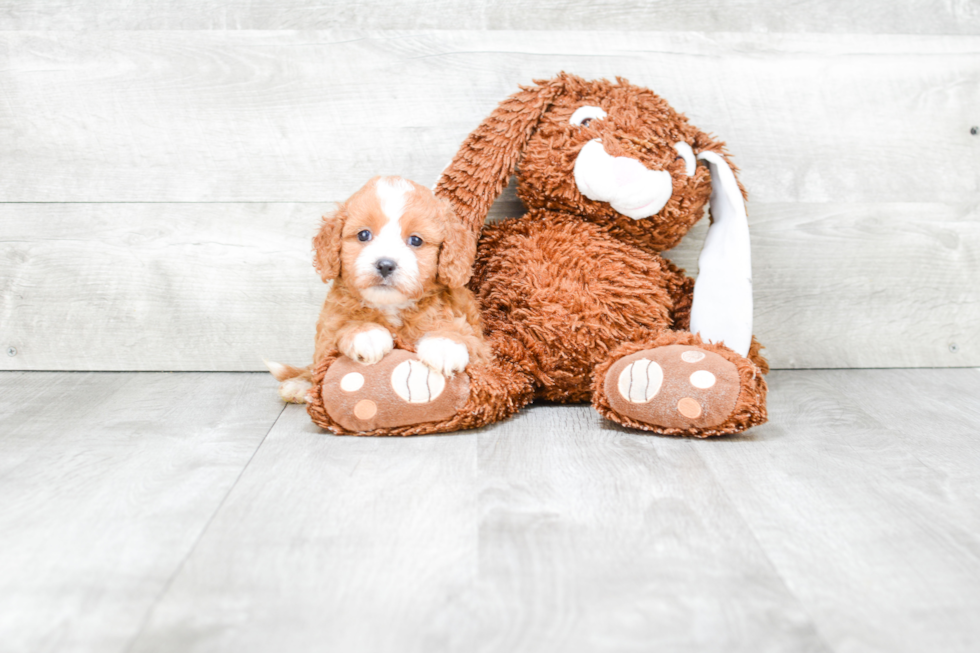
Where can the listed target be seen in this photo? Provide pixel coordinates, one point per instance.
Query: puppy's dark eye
(364, 235)
(414, 241)
(585, 122)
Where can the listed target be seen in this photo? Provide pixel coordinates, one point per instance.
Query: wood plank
(863, 491)
(884, 285)
(849, 522)
(572, 538)
(309, 116)
(107, 482)
(221, 286)
(158, 286)
(917, 17)
(594, 537)
(329, 543)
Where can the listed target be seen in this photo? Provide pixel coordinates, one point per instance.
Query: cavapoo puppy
(399, 261)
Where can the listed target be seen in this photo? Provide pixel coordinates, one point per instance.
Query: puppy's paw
(370, 346)
(294, 391)
(443, 355)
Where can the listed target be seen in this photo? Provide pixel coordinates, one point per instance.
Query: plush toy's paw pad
(677, 386)
(400, 390)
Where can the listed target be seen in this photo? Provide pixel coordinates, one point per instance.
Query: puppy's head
(392, 241)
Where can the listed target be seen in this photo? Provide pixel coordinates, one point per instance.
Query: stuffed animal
(576, 301)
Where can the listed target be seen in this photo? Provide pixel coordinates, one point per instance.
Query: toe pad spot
(703, 379)
(365, 409)
(640, 381)
(689, 408)
(352, 382)
(416, 382)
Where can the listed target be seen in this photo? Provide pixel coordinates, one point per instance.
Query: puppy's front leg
(364, 342)
(444, 355)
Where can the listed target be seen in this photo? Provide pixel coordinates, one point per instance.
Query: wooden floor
(193, 512)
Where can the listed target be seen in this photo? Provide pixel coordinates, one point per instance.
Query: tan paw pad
(399, 390)
(676, 386)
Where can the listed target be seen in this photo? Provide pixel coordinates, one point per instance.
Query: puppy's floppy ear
(326, 245)
(722, 305)
(489, 155)
(457, 252)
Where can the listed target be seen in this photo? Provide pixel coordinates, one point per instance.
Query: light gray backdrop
(163, 166)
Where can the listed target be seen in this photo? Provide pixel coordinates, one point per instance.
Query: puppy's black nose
(385, 267)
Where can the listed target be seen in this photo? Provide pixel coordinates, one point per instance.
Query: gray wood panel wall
(158, 188)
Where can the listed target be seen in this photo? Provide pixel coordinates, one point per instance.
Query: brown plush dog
(577, 304)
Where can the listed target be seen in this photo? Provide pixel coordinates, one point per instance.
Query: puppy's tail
(295, 381)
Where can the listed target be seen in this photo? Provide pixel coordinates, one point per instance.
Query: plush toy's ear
(722, 306)
(456, 254)
(489, 155)
(326, 245)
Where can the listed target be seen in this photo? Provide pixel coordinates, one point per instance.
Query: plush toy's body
(577, 303)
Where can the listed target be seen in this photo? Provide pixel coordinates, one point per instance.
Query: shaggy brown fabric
(569, 293)
(573, 286)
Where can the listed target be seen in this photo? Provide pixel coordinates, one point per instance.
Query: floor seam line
(200, 536)
(765, 552)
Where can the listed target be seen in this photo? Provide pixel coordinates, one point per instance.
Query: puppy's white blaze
(416, 382)
(389, 243)
(392, 192)
(443, 355)
(640, 381)
(626, 184)
(371, 346)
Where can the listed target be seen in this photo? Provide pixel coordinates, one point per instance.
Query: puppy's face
(393, 240)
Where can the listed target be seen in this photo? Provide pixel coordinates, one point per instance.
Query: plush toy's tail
(295, 381)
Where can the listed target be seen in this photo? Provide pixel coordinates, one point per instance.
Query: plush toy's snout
(626, 184)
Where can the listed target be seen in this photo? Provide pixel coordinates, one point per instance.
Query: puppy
(399, 261)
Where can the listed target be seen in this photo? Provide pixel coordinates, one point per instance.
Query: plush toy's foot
(683, 389)
(398, 391)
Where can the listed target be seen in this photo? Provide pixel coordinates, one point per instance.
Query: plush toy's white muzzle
(626, 184)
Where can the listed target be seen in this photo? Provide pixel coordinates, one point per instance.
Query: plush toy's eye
(414, 241)
(584, 115)
(364, 235)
